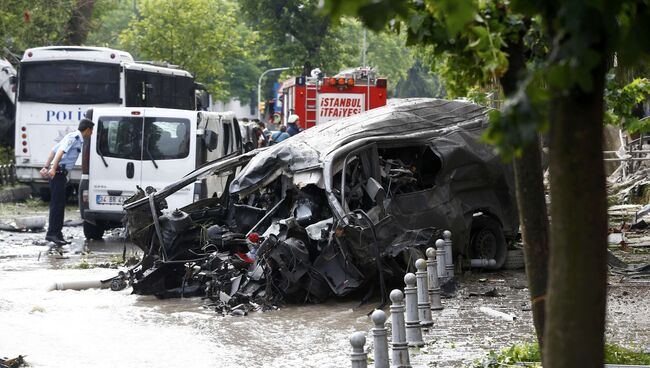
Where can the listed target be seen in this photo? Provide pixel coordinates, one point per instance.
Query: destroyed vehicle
(344, 207)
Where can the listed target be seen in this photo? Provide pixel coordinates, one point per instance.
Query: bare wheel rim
(485, 244)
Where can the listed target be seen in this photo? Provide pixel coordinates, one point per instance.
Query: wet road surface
(102, 328)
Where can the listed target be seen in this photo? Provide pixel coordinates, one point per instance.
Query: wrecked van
(345, 207)
(149, 147)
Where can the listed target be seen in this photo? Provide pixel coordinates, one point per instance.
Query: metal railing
(631, 154)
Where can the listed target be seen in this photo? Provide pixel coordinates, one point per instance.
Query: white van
(148, 147)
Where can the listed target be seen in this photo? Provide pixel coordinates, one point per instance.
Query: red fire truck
(319, 99)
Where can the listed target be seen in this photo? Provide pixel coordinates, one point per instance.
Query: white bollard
(358, 357)
(440, 256)
(434, 284)
(413, 327)
(424, 308)
(449, 259)
(400, 351)
(380, 338)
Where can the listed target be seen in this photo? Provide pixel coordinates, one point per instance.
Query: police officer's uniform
(71, 145)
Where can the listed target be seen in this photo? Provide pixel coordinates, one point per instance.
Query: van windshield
(166, 138)
(120, 137)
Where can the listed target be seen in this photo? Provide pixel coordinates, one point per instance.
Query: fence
(7, 174)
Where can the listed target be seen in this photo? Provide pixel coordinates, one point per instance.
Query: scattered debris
(490, 293)
(619, 267)
(495, 313)
(641, 225)
(80, 285)
(19, 361)
(19, 224)
(617, 238)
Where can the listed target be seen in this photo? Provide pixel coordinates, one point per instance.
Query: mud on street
(103, 328)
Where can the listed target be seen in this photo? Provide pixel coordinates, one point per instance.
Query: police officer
(61, 159)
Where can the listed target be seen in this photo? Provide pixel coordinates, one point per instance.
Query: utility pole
(363, 49)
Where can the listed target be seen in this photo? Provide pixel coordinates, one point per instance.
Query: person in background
(259, 136)
(279, 136)
(60, 160)
(292, 122)
(276, 119)
(266, 132)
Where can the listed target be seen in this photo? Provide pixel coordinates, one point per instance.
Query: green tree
(202, 36)
(34, 23)
(108, 26)
(295, 33)
(386, 52)
(624, 103)
(419, 83)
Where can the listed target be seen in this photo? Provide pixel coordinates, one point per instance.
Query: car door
(168, 153)
(115, 164)
(229, 141)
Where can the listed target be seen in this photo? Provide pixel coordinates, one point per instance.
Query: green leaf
(559, 77)
(458, 13)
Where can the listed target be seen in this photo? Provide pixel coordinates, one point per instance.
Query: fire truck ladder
(311, 91)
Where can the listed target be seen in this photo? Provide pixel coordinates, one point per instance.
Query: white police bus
(57, 84)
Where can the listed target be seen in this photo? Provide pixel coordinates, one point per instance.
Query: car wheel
(93, 232)
(487, 241)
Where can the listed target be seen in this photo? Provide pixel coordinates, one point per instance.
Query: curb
(15, 194)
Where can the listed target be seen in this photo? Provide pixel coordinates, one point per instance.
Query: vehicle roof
(403, 119)
(153, 111)
(156, 68)
(68, 52)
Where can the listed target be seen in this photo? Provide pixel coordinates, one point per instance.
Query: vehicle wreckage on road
(344, 207)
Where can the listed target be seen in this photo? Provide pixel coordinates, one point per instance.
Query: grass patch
(614, 354)
(6, 155)
(114, 261)
(83, 265)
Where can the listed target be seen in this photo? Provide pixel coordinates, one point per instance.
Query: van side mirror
(210, 139)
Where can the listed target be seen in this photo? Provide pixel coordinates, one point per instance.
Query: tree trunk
(577, 294)
(78, 26)
(531, 201)
(534, 228)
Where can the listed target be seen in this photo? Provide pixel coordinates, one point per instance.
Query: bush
(6, 155)
(614, 354)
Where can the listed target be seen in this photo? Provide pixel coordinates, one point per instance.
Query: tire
(487, 241)
(93, 232)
